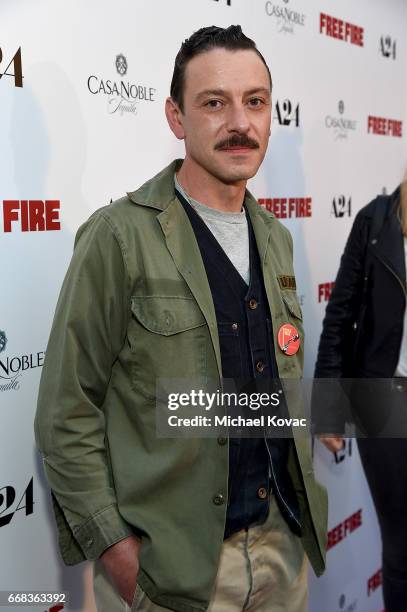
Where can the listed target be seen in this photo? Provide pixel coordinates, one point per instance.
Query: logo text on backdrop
(341, 30)
(11, 503)
(31, 215)
(123, 96)
(286, 18)
(341, 207)
(12, 368)
(388, 47)
(17, 66)
(287, 208)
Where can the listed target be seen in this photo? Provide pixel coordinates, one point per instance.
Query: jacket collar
(159, 193)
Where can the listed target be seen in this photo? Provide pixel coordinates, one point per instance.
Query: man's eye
(255, 102)
(213, 104)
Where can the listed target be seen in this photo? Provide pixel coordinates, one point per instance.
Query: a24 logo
(287, 113)
(8, 500)
(388, 47)
(17, 65)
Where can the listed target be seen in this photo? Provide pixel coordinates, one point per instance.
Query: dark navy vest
(257, 466)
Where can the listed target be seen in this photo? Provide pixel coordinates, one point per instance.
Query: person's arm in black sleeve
(344, 303)
(336, 346)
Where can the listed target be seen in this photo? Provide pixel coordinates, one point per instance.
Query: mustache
(237, 140)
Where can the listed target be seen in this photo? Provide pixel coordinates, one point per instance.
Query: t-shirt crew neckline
(212, 213)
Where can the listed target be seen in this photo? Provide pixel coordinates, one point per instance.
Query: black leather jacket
(377, 303)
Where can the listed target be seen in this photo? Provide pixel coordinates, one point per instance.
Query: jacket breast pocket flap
(167, 315)
(291, 301)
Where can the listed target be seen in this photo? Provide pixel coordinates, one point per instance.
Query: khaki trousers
(263, 569)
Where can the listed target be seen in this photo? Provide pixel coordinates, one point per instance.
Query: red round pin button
(288, 339)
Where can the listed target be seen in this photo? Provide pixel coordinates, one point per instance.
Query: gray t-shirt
(230, 230)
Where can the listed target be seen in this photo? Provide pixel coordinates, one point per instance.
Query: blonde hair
(403, 206)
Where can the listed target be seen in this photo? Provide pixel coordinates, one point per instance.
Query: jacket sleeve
(88, 330)
(344, 303)
(330, 401)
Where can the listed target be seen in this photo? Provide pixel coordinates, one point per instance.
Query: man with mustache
(186, 277)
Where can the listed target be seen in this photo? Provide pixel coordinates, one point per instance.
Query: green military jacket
(136, 305)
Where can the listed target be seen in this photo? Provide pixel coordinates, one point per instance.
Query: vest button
(252, 304)
(235, 326)
(262, 493)
(222, 441)
(260, 366)
(218, 499)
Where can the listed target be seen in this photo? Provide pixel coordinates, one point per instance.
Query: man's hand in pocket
(332, 443)
(121, 563)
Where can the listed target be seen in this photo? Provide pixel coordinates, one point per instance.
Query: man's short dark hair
(206, 39)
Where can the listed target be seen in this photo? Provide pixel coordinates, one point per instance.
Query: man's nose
(237, 119)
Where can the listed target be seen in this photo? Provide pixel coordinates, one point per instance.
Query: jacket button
(260, 366)
(252, 304)
(222, 441)
(235, 326)
(262, 493)
(89, 543)
(218, 499)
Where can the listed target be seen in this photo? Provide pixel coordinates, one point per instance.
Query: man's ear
(174, 118)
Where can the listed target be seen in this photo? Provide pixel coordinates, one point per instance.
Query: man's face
(227, 113)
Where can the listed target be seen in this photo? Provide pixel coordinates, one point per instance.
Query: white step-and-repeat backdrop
(82, 93)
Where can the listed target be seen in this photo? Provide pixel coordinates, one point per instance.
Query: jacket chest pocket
(168, 337)
(292, 306)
